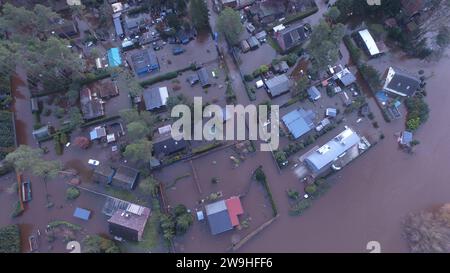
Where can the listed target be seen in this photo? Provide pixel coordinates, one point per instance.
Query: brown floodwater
(373, 194)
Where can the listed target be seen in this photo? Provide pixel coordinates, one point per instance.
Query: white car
(93, 162)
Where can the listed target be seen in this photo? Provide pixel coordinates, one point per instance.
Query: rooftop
(400, 83)
(329, 152)
(369, 42)
(134, 218)
(168, 146)
(299, 122)
(155, 98)
(278, 85)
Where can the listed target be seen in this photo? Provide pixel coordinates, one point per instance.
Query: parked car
(93, 162)
(177, 50)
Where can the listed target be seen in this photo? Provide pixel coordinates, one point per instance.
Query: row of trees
(324, 44)
(140, 127)
(176, 223)
(25, 158)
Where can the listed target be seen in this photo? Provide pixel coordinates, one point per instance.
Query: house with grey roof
(291, 36)
(400, 83)
(155, 98)
(345, 77)
(278, 85)
(133, 22)
(299, 122)
(313, 93)
(203, 76)
(322, 158)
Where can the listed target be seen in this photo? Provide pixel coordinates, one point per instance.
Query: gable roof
(278, 85)
(299, 122)
(291, 36)
(345, 77)
(203, 76)
(218, 218)
(326, 154)
(369, 42)
(168, 146)
(126, 176)
(91, 107)
(313, 93)
(234, 207)
(133, 218)
(118, 25)
(155, 97)
(400, 83)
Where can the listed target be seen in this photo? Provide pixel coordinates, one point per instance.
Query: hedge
(7, 133)
(205, 148)
(260, 176)
(167, 76)
(354, 51)
(97, 121)
(299, 15)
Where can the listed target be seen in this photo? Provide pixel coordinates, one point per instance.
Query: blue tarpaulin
(114, 58)
(382, 97)
(82, 213)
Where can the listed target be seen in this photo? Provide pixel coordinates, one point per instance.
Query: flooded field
(374, 193)
(190, 182)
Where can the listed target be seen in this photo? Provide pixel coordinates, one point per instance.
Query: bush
(354, 51)
(293, 194)
(248, 77)
(159, 78)
(10, 239)
(72, 193)
(299, 207)
(311, 189)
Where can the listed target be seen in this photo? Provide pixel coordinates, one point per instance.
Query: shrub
(10, 239)
(248, 77)
(293, 194)
(299, 207)
(159, 78)
(72, 193)
(311, 189)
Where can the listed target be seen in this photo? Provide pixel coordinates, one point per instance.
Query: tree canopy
(229, 24)
(324, 44)
(199, 14)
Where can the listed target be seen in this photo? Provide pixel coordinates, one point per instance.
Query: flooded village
(86, 151)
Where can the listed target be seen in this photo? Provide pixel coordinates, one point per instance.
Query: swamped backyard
(104, 145)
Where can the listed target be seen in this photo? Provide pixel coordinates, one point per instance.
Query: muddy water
(374, 193)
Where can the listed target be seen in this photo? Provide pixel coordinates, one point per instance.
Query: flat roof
(82, 213)
(114, 58)
(369, 42)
